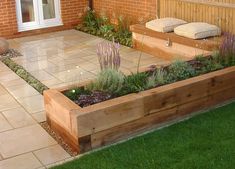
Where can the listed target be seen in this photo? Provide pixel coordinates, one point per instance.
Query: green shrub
(134, 83)
(159, 77)
(108, 80)
(123, 34)
(101, 26)
(180, 70)
(151, 82)
(108, 31)
(208, 64)
(90, 23)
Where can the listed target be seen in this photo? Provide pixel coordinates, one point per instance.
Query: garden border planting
(120, 118)
(24, 74)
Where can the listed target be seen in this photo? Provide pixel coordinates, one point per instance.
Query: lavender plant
(227, 50)
(109, 55)
(108, 80)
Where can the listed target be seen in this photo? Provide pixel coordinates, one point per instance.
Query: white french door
(35, 14)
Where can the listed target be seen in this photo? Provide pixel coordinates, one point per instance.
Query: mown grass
(203, 142)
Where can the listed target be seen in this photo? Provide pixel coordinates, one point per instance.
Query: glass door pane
(48, 9)
(36, 14)
(27, 10)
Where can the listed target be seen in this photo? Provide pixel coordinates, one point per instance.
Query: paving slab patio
(67, 57)
(56, 59)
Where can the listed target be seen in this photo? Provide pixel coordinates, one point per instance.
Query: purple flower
(109, 55)
(227, 48)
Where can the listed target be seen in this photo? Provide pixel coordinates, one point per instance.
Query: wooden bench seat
(154, 43)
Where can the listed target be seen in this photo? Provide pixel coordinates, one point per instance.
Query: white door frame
(39, 22)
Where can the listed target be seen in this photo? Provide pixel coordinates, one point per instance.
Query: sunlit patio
(68, 57)
(97, 84)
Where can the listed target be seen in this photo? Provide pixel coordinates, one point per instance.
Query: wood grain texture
(154, 43)
(113, 120)
(217, 12)
(207, 44)
(58, 108)
(68, 138)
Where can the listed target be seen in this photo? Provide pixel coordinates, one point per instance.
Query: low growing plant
(134, 83)
(108, 80)
(20, 71)
(158, 78)
(90, 23)
(108, 31)
(101, 26)
(180, 70)
(208, 64)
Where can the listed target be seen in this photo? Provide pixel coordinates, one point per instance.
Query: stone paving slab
(23, 140)
(25, 161)
(18, 117)
(51, 154)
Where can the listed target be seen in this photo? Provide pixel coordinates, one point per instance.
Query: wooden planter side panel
(58, 111)
(179, 93)
(58, 108)
(159, 119)
(166, 103)
(109, 114)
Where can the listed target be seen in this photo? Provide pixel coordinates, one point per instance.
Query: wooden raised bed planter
(110, 121)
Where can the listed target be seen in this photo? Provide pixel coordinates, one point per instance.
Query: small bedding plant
(100, 25)
(111, 82)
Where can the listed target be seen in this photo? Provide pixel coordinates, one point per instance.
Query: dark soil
(85, 100)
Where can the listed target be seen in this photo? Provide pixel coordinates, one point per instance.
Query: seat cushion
(197, 30)
(164, 24)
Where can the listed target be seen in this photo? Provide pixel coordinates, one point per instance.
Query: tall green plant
(90, 23)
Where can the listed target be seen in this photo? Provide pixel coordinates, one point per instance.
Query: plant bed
(22, 72)
(114, 106)
(102, 26)
(119, 118)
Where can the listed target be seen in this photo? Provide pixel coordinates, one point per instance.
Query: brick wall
(136, 10)
(8, 22)
(70, 11)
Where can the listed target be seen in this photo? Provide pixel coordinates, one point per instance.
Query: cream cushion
(164, 24)
(197, 30)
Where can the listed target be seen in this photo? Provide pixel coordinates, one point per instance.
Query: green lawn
(203, 142)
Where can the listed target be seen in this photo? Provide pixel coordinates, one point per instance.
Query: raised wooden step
(154, 43)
